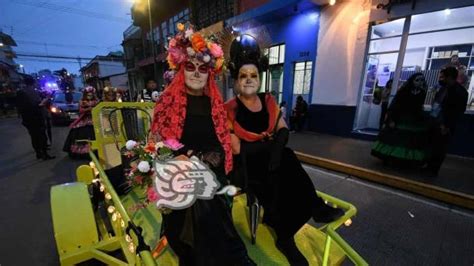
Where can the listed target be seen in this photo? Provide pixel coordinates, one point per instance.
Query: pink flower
(172, 43)
(176, 55)
(151, 194)
(173, 144)
(216, 50)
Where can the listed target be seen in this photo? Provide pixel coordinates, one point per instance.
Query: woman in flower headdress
(270, 170)
(110, 94)
(191, 110)
(82, 128)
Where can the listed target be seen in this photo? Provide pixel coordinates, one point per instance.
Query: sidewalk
(456, 174)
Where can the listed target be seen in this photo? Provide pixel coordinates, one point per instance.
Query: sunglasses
(203, 69)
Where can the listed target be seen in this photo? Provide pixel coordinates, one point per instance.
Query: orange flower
(219, 63)
(180, 26)
(198, 42)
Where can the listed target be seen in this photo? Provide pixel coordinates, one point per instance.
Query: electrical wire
(75, 11)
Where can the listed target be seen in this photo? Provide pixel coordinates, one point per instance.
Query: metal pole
(153, 50)
(401, 55)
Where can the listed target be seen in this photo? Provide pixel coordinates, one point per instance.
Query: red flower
(150, 147)
(139, 179)
(152, 195)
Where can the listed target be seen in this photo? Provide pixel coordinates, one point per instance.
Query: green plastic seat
(73, 218)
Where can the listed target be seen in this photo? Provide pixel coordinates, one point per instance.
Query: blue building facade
(292, 27)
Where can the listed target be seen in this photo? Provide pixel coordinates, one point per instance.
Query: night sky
(83, 28)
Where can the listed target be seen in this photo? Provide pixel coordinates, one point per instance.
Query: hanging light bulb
(111, 209)
(114, 217)
(108, 196)
(332, 2)
(128, 238)
(122, 223)
(102, 188)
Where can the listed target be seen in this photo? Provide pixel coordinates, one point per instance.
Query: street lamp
(152, 36)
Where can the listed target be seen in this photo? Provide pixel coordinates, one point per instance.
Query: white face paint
(195, 74)
(248, 80)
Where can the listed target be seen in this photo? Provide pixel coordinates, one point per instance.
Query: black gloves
(211, 158)
(276, 150)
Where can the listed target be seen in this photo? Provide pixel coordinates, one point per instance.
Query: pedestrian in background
(448, 106)
(283, 110)
(30, 107)
(46, 98)
(385, 97)
(298, 118)
(146, 94)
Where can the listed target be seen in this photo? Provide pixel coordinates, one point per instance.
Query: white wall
(341, 47)
(108, 68)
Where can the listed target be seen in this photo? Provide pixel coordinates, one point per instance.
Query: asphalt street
(391, 228)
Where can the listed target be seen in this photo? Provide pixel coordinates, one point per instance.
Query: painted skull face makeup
(248, 80)
(195, 74)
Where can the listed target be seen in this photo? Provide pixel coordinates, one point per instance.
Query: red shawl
(170, 113)
(273, 112)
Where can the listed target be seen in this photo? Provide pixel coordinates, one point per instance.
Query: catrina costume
(204, 233)
(265, 167)
(406, 142)
(82, 128)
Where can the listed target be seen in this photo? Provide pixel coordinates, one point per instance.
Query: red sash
(274, 115)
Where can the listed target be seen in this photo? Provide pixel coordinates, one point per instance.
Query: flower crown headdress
(110, 89)
(89, 89)
(187, 44)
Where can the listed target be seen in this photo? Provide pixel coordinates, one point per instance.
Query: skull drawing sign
(180, 183)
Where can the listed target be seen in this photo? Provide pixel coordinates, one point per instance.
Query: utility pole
(153, 50)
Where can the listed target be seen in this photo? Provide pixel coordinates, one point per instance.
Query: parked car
(64, 110)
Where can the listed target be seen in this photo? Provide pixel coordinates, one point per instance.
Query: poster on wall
(383, 74)
(371, 75)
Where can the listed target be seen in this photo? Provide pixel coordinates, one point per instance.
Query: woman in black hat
(271, 171)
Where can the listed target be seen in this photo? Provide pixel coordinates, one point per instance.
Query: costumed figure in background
(264, 167)
(110, 94)
(66, 84)
(191, 110)
(82, 128)
(404, 133)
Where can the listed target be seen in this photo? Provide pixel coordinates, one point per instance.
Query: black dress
(204, 234)
(287, 195)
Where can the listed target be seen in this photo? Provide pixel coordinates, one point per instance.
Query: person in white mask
(264, 166)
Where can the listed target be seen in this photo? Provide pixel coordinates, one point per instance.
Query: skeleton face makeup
(194, 77)
(248, 80)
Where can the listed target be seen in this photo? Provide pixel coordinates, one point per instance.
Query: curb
(427, 190)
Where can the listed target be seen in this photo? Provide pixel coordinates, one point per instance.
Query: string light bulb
(108, 196)
(332, 2)
(111, 209)
(348, 222)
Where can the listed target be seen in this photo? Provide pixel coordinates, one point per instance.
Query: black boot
(290, 250)
(326, 214)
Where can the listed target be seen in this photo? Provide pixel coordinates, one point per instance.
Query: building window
(208, 12)
(272, 79)
(302, 78)
(433, 39)
(276, 54)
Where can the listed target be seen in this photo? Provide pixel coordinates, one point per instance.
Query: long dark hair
(409, 84)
